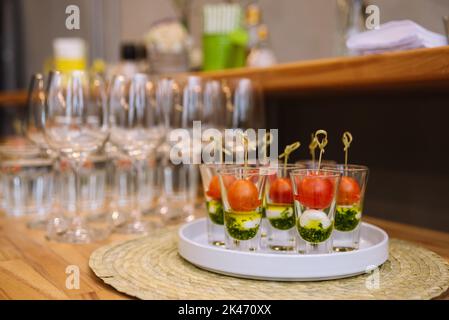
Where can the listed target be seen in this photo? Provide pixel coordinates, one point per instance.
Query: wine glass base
(56, 226)
(81, 235)
(136, 227)
(38, 224)
(175, 220)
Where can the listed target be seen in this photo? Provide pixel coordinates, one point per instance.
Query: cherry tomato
(243, 195)
(281, 191)
(348, 191)
(315, 192)
(214, 190)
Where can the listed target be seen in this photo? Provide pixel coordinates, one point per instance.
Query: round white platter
(264, 265)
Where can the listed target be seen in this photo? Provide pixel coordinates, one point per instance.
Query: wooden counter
(422, 67)
(34, 268)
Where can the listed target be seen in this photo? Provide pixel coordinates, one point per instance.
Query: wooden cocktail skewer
(321, 144)
(312, 146)
(346, 139)
(245, 149)
(287, 151)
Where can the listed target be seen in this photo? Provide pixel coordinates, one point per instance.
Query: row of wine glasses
(76, 117)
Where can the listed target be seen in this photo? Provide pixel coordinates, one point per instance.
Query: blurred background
(298, 30)
(400, 131)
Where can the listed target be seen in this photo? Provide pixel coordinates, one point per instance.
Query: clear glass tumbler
(315, 193)
(27, 187)
(180, 183)
(242, 192)
(92, 200)
(124, 187)
(350, 198)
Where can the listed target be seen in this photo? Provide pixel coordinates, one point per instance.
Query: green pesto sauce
(345, 218)
(286, 219)
(235, 227)
(314, 235)
(215, 211)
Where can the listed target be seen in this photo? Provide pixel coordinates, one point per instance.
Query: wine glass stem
(78, 220)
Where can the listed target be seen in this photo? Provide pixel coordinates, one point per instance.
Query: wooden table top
(32, 267)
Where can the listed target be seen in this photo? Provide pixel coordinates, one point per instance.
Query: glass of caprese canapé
(315, 194)
(311, 164)
(279, 208)
(242, 192)
(348, 212)
(214, 204)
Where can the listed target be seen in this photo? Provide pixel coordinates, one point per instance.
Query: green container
(221, 51)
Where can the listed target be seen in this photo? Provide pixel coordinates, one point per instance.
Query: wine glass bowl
(136, 128)
(76, 116)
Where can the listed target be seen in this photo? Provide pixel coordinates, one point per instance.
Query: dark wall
(9, 119)
(401, 135)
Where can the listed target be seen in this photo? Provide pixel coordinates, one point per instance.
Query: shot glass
(242, 192)
(315, 194)
(310, 164)
(279, 209)
(348, 214)
(214, 205)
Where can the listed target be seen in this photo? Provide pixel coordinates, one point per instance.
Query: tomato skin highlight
(214, 190)
(243, 195)
(281, 191)
(315, 192)
(348, 191)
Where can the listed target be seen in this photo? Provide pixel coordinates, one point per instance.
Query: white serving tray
(264, 265)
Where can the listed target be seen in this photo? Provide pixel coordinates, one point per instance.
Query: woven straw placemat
(150, 268)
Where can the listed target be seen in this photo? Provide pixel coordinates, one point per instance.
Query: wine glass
(137, 131)
(191, 102)
(76, 126)
(169, 102)
(179, 181)
(214, 106)
(244, 110)
(247, 105)
(35, 117)
(34, 131)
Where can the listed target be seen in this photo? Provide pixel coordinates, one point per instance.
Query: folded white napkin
(394, 36)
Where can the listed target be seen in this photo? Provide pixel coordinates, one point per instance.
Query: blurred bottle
(253, 19)
(168, 43)
(350, 21)
(98, 67)
(142, 58)
(261, 55)
(128, 65)
(69, 54)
